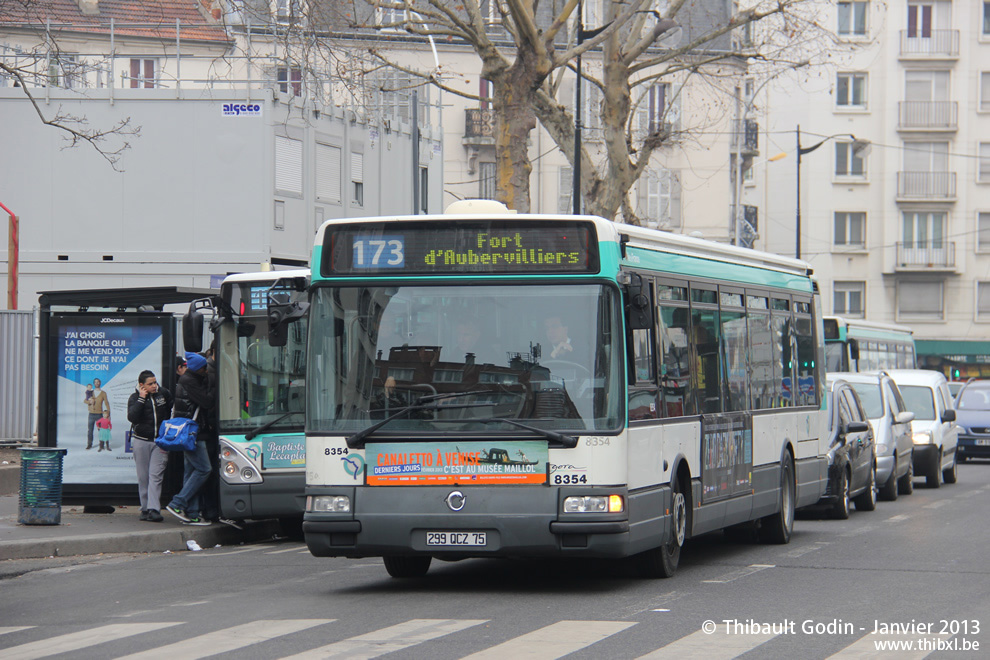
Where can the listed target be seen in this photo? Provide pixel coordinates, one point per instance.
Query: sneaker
(177, 512)
(144, 515)
(155, 516)
(198, 522)
(228, 521)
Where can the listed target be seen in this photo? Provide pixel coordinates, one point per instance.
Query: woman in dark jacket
(147, 408)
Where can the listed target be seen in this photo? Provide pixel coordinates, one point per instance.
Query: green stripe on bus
(689, 266)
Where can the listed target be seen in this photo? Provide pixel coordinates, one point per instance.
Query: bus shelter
(93, 344)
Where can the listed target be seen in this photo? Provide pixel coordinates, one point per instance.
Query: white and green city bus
(857, 345)
(261, 367)
(484, 384)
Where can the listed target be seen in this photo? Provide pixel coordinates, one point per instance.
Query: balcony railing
(931, 43)
(926, 185)
(928, 115)
(479, 123)
(748, 142)
(921, 255)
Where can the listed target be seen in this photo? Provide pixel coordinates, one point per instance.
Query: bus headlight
(328, 503)
(594, 504)
(235, 467)
(923, 438)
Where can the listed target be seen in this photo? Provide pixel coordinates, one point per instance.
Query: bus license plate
(456, 538)
(983, 442)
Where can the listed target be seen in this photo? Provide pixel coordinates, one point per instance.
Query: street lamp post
(859, 146)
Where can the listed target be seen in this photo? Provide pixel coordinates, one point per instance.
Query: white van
(936, 434)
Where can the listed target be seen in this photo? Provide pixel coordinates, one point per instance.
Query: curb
(10, 479)
(150, 541)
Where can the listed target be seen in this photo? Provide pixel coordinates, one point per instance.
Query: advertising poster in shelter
(726, 456)
(97, 359)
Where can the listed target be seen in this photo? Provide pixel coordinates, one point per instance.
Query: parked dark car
(852, 467)
(973, 418)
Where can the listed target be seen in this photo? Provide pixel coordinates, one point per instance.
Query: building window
(290, 78)
(66, 71)
(920, 301)
(850, 90)
(485, 94)
(919, 21)
(565, 186)
(850, 228)
(924, 229)
(486, 180)
(144, 73)
(357, 179)
(847, 161)
(983, 232)
(662, 198)
(848, 298)
(328, 160)
(985, 90)
(983, 301)
(983, 176)
(424, 190)
(986, 19)
(852, 19)
(288, 165)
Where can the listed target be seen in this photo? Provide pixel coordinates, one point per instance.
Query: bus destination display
(494, 247)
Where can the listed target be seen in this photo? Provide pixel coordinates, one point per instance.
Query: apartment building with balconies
(898, 232)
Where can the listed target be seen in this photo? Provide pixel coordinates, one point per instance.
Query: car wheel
(950, 474)
(867, 500)
(407, 567)
(889, 491)
(778, 527)
(933, 477)
(905, 485)
(840, 509)
(662, 562)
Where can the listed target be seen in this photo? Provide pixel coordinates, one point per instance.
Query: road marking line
(865, 648)
(82, 639)
(295, 548)
(223, 553)
(714, 646)
(900, 517)
(742, 572)
(800, 552)
(388, 640)
(10, 629)
(861, 530)
(937, 505)
(553, 641)
(228, 639)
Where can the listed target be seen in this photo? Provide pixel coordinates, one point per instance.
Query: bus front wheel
(662, 562)
(407, 567)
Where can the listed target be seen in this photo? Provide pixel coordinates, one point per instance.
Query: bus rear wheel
(407, 567)
(662, 562)
(778, 527)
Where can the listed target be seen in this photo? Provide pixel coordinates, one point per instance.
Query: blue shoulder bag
(178, 433)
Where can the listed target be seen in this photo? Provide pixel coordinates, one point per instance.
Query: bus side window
(675, 362)
(643, 392)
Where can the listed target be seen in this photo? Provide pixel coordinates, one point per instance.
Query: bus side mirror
(639, 307)
(853, 349)
(280, 315)
(192, 330)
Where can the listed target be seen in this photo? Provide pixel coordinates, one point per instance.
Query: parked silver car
(891, 422)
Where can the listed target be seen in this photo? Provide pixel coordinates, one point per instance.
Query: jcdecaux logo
(241, 110)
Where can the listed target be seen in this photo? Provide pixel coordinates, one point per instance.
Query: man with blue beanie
(195, 399)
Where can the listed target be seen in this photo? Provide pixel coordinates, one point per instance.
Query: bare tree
(531, 45)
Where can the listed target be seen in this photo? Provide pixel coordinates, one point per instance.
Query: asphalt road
(920, 563)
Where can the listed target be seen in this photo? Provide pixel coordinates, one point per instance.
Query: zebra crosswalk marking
(228, 639)
(714, 646)
(10, 629)
(295, 548)
(80, 640)
(553, 641)
(865, 647)
(388, 640)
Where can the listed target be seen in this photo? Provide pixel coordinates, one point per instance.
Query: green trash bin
(41, 486)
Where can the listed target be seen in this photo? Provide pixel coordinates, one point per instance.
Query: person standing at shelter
(96, 404)
(147, 408)
(194, 399)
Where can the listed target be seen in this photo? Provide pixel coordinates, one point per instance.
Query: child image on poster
(103, 425)
(97, 404)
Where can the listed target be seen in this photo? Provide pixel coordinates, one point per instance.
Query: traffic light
(955, 374)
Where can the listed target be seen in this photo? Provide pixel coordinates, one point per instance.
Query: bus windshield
(258, 382)
(835, 356)
(546, 355)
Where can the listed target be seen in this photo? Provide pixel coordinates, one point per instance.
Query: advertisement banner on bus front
(405, 463)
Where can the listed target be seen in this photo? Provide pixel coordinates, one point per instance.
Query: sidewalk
(122, 531)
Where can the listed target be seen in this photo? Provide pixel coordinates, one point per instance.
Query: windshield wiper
(423, 403)
(267, 425)
(568, 441)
